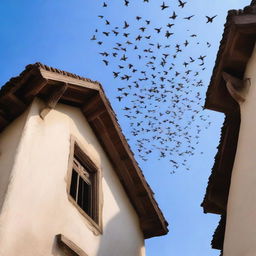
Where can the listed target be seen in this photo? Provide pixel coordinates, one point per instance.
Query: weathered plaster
(9, 142)
(37, 207)
(240, 237)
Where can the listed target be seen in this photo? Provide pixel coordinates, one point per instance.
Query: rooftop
(38, 80)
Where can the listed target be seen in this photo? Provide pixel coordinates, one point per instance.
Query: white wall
(240, 238)
(37, 207)
(9, 141)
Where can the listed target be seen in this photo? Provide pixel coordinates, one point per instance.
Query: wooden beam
(61, 77)
(93, 108)
(17, 82)
(12, 105)
(35, 87)
(53, 99)
(15, 100)
(240, 49)
(248, 19)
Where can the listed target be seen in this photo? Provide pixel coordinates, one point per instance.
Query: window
(69, 248)
(83, 187)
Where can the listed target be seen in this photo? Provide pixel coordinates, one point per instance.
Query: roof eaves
(230, 28)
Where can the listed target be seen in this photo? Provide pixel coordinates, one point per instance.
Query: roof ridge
(37, 65)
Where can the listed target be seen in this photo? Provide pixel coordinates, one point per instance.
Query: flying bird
(126, 25)
(104, 54)
(105, 33)
(188, 17)
(93, 37)
(169, 25)
(181, 4)
(124, 58)
(201, 57)
(115, 32)
(164, 6)
(106, 62)
(116, 74)
(138, 38)
(158, 30)
(186, 43)
(119, 98)
(210, 19)
(168, 34)
(174, 16)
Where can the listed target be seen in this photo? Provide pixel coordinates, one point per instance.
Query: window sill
(97, 228)
(69, 246)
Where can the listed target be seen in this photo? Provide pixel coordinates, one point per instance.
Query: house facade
(231, 189)
(69, 182)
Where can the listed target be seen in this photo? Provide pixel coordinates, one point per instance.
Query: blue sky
(57, 33)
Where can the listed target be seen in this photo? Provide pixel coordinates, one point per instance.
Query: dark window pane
(84, 196)
(73, 186)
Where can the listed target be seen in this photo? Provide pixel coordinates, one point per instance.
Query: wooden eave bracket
(53, 99)
(238, 89)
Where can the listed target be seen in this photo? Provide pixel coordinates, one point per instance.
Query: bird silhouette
(126, 25)
(188, 17)
(164, 6)
(158, 30)
(181, 4)
(174, 16)
(210, 19)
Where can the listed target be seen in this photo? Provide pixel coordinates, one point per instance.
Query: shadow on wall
(118, 240)
(60, 249)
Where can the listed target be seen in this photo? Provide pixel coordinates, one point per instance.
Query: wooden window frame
(77, 150)
(69, 247)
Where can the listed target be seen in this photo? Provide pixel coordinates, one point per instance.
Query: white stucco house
(69, 184)
(231, 190)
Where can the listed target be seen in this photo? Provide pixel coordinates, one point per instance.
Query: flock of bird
(160, 88)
